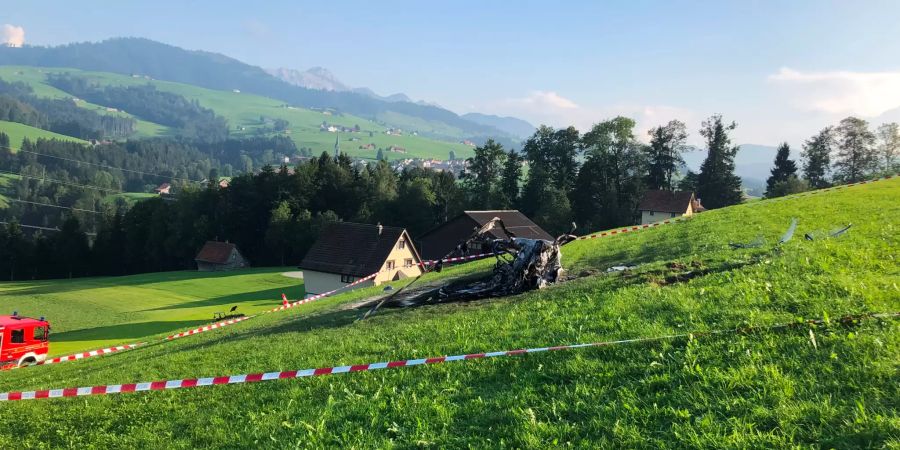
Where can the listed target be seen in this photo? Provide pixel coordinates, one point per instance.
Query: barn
(216, 256)
(441, 240)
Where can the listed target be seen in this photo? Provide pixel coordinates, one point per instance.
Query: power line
(32, 226)
(35, 227)
(103, 165)
(68, 183)
(54, 206)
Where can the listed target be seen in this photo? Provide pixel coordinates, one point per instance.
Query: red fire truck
(23, 340)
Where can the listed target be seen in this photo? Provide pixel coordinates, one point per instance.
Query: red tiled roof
(666, 201)
(215, 252)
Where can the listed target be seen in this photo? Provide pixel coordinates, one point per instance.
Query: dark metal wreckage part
(522, 265)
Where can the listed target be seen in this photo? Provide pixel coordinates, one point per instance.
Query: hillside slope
(245, 111)
(127, 56)
(17, 132)
(829, 386)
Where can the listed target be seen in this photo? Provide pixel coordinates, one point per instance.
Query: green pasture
(90, 313)
(17, 132)
(829, 386)
(243, 112)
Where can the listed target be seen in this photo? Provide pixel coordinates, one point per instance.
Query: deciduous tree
(856, 156)
(664, 154)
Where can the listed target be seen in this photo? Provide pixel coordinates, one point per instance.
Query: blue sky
(782, 70)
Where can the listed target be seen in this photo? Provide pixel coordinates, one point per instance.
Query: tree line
(274, 214)
(63, 116)
(165, 108)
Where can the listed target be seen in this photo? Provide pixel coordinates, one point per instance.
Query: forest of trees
(63, 116)
(560, 176)
(165, 108)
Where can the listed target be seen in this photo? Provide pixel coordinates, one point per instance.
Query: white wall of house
(320, 282)
(658, 216)
(401, 257)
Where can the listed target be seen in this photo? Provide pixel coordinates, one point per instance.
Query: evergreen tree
(689, 182)
(664, 154)
(278, 231)
(784, 169)
(380, 155)
(856, 156)
(452, 155)
(72, 248)
(510, 178)
(817, 158)
(717, 184)
(4, 142)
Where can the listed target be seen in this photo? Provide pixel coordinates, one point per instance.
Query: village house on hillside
(346, 252)
(441, 240)
(164, 188)
(216, 256)
(659, 205)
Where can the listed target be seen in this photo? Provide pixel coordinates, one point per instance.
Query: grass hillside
(827, 386)
(18, 131)
(243, 112)
(90, 313)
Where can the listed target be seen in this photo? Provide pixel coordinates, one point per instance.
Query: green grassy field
(89, 313)
(244, 111)
(827, 386)
(17, 132)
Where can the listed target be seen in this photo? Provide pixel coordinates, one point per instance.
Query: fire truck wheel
(27, 361)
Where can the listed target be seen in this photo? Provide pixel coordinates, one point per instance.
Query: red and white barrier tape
(454, 259)
(334, 370)
(459, 258)
(225, 323)
(102, 351)
(198, 330)
(322, 295)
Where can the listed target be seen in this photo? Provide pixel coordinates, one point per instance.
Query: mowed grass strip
(830, 386)
(94, 312)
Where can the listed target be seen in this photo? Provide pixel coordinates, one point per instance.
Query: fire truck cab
(23, 340)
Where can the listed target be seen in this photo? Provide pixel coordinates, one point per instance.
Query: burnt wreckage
(522, 265)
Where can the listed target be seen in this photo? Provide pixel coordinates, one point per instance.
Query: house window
(40, 333)
(390, 265)
(408, 262)
(402, 244)
(347, 278)
(651, 213)
(18, 336)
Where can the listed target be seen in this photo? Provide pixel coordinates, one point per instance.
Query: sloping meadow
(829, 385)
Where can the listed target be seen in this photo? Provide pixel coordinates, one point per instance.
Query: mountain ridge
(145, 57)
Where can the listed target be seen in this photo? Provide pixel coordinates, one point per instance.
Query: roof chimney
(380, 228)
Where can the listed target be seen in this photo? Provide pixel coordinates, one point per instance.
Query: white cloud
(545, 99)
(841, 92)
(12, 35)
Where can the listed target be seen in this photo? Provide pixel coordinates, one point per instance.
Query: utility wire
(55, 206)
(68, 183)
(103, 165)
(35, 227)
